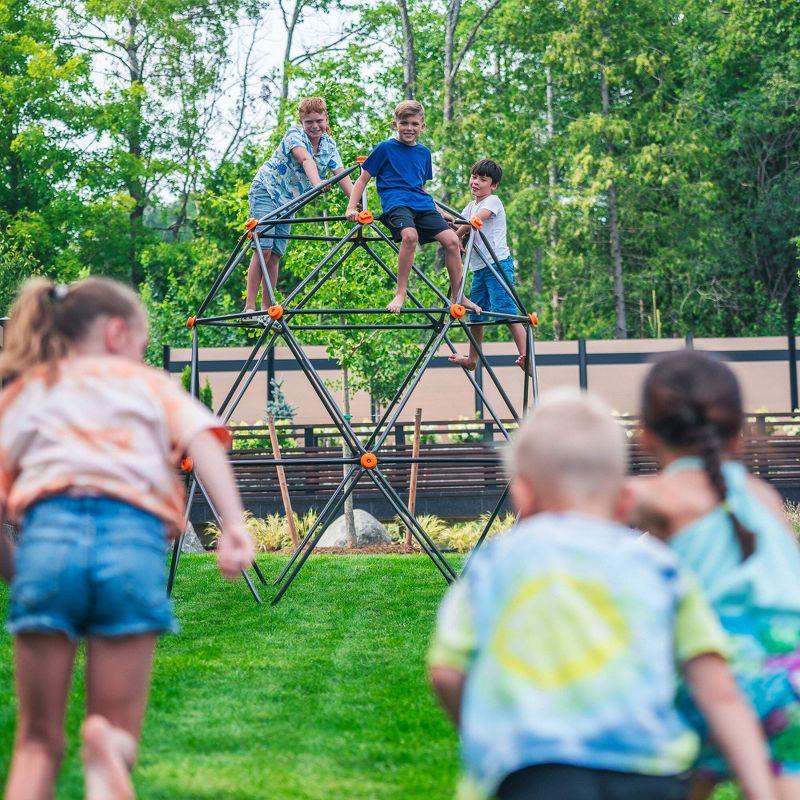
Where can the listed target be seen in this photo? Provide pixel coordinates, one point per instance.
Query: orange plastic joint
(275, 312)
(476, 223)
(534, 318)
(360, 159)
(187, 465)
(190, 322)
(457, 311)
(369, 461)
(365, 217)
(250, 234)
(250, 224)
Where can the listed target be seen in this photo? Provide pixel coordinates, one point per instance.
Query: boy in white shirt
(487, 291)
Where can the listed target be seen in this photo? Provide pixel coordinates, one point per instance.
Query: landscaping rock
(191, 543)
(368, 532)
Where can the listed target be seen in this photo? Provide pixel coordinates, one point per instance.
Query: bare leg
(452, 261)
(469, 362)
(43, 666)
(520, 340)
(788, 788)
(272, 270)
(701, 788)
(255, 279)
(405, 258)
(117, 683)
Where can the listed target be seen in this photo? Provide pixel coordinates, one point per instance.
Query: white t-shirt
(493, 228)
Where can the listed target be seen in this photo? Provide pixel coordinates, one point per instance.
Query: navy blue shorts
(90, 566)
(429, 224)
(561, 781)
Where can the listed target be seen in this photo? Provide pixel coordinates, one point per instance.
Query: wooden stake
(287, 501)
(412, 485)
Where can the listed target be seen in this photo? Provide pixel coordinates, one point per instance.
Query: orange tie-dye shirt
(103, 425)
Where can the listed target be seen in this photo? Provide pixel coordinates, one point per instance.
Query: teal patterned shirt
(283, 178)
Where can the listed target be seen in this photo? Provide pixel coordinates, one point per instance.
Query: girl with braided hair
(730, 529)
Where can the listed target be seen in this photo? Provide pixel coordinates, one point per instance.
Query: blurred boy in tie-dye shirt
(556, 653)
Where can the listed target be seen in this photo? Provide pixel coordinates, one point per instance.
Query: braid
(693, 403)
(709, 448)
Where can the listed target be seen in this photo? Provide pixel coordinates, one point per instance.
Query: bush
(460, 537)
(466, 431)
(206, 395)
(272, 532)
(262, 443)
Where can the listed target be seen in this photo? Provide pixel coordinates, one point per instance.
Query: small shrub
(465, 431)
(793, 516)
(206, 395)
(272, 532)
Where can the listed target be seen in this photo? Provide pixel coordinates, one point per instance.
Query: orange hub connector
(457, 311)
(476, 222)
(369, 461)
(250, 224)
(534, 318)
(187, 465)
(360, 159)
(190, 322)
(365, 217)
(275, 312)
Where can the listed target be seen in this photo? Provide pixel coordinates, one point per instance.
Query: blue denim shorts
(90, 566)
(262, 204)
(489, 294)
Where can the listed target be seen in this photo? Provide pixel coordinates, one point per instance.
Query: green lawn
(323, 696)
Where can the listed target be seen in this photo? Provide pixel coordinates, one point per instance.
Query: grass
(320, 698)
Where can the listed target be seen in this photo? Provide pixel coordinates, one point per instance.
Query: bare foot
(470, 306)
(462, 361)
(520, 362)
(108, 755)
(249, 320)
(396, 304)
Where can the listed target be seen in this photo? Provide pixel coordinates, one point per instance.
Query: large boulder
(191, 542)
(368, 532)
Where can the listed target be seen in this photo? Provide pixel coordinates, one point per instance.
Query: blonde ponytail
(47, 318)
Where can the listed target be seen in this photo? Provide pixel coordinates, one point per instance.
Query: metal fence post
(270, 374)
(166, 357)
(479, 385)
(690, 341)
(583, 378)
(793, 371)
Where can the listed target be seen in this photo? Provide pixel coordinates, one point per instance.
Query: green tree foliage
(651, 154)
(43, 83)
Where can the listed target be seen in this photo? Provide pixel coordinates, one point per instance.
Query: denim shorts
(261, 204)
(489, 294)
(90, 566)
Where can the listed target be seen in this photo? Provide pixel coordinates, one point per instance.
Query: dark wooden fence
(771, 450)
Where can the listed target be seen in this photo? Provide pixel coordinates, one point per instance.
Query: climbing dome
(429, 316)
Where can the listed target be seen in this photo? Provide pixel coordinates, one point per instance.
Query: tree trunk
(291, 25)
(448, 103)
(552, 222)
(621, 326)
(409, 55)
(136, 188)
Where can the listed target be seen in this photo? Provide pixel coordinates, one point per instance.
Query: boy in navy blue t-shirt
(401, 166)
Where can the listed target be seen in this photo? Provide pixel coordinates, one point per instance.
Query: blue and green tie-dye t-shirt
(569, 629)
(283, 178)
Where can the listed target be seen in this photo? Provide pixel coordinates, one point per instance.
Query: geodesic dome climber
(429, 313)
